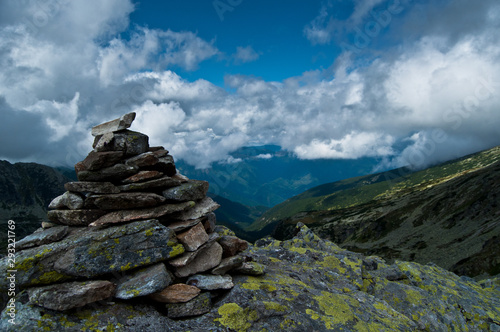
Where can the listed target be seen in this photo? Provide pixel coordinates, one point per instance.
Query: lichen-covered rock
(309, 285)
(143, 282)
(71, 295)
(197, 306)
(89, 253)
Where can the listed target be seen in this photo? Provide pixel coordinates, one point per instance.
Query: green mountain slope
(450, 219)
(360, 190)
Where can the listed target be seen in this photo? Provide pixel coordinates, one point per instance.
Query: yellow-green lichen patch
(332, 263)
(411, 270)
(236, 318)
(274, 306)
(335, 305)
(256, 283)
(177, 249)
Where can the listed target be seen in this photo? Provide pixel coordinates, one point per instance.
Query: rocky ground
(309, 285)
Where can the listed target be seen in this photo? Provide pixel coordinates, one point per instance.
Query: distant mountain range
(264, 176)
(26, 189)
(448, 214)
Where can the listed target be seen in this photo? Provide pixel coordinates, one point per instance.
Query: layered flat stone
(131, 215)
(180, 226)
(71, 295)
(161, 183)
(143, 160)
(130, 142)
(49, 235)
(232, 245)
(198, 306)
(104, 142)
(143, 176)
(188, 256)
(125, 201)
(180, 177)
(67, 200)
(201, 209)
(143, 282)
(207, 259)
(193, 190)
(210, 281)
(123, 122)
(178, 293)
(98, 160)
(228, 264)
(165, 165)
(92, 187)
(193, 238)
(110, 174)
(75, 217)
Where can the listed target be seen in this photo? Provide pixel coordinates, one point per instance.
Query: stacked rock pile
(132, 227)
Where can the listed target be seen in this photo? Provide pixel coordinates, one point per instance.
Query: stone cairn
(132, 228)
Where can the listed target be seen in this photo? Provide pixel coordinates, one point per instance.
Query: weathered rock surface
(210, 281)
(193, 238)
(201, 209)
(71, 294)
(75, 217)
(178, 293)
(88, 252)
(312, 285)
(193, 190)
(228, 264)
(183, 225)
(92, 187)
(125, 201)
(198, 306)
(97, 160)
(165, 165)
(205, 260)
(49, 235)
(114, 173)
(232, 245)
(130, 215)
(143, 282)
(164, 182)
(143, 160)
(251, 269)
(188, 256)
(67, 200)
(123, 122)
(143, 176)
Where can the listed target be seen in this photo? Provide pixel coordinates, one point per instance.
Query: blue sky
(409, 82)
